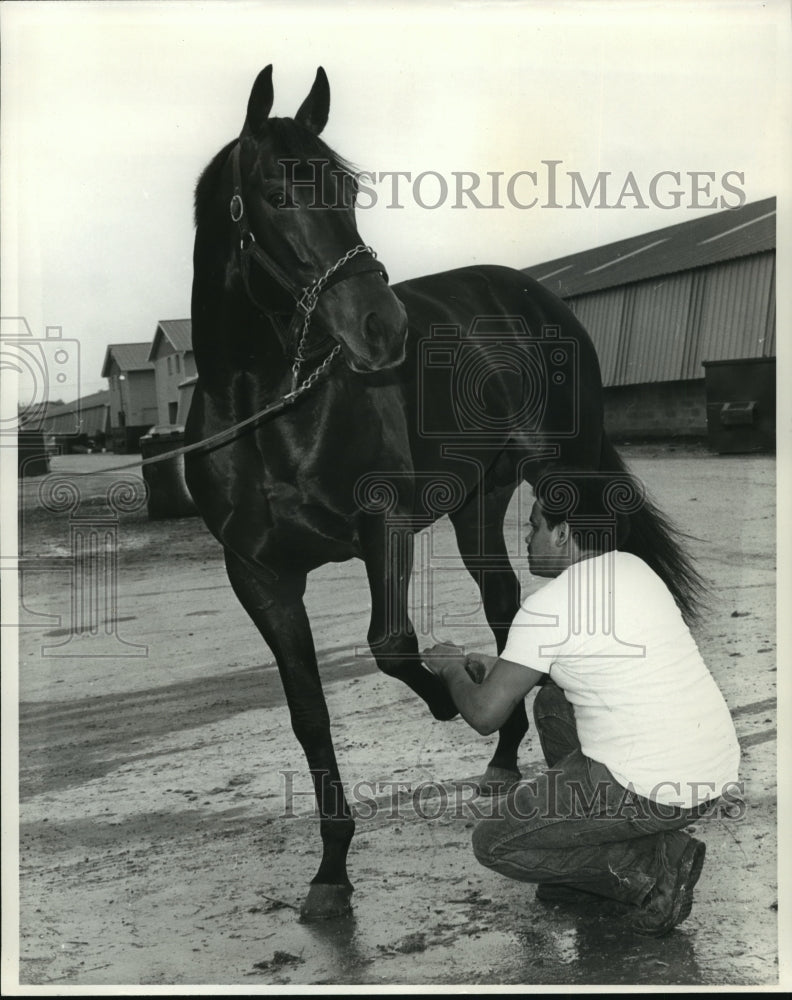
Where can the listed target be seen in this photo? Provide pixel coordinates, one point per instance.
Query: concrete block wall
(656, 410)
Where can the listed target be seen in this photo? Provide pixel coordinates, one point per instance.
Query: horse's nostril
(373, 327)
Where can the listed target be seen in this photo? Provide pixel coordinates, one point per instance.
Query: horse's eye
(276, 198)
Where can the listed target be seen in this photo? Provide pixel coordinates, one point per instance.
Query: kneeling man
(638, 738)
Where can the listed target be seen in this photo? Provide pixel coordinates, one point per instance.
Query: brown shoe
(671, 899)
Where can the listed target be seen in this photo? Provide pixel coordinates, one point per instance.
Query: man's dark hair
(595, 505)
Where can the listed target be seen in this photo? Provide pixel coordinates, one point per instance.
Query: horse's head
(297, 249)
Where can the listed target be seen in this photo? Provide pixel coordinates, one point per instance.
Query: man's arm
(487, 705)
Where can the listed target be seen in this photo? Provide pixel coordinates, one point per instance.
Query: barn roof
(86, 415)
(177, 332)
(708, 239)
(83, 403)
(128, 357)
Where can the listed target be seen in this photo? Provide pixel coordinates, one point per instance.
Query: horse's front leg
(388, 555)
(279, 613)
(479, 533)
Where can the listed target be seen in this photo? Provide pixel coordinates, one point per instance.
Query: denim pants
(575, 825)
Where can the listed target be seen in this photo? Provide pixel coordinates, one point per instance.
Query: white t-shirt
(609, 633)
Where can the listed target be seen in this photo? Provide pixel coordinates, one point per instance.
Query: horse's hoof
(324, 902)
(497, 780)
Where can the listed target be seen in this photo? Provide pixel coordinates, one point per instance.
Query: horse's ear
(260, 101)
(315, 109)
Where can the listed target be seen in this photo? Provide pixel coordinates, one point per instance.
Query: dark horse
(449, 391)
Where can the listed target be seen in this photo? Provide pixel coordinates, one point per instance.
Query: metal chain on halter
(312, 378)
(307, 304)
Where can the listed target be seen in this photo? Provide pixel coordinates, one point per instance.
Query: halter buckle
(236, 208)
(307, 300)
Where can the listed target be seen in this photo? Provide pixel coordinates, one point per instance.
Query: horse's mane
(293, 141)
(207, 182)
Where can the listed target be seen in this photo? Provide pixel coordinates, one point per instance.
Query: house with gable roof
(171, 355)
(133, 397)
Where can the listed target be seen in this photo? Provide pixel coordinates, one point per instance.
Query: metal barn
(662, 305)
(83, 423)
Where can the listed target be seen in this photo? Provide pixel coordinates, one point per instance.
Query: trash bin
(168, 495)
(32, 454)
(741, 405)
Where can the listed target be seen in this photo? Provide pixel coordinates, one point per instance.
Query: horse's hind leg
(279, 613)
(479, 534)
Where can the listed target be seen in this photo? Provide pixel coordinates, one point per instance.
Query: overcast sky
(110, 111)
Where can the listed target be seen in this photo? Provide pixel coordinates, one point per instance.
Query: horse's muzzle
(364, 367)
(384, 342)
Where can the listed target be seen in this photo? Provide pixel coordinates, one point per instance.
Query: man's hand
(478, 665)
(485, 688)
(441, 656)
(444, 655)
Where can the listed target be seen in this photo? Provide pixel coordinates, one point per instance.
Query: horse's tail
(653, 538)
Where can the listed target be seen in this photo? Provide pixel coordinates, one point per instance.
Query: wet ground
(167, 834)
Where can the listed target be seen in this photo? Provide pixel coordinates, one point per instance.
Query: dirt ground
(167, 833)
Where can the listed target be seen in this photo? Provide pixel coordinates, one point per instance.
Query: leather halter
(291, 330)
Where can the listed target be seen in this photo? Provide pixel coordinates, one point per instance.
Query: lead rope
(306, 304)
(221, 437)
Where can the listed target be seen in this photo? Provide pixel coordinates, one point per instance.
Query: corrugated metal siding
(734, 312)
(661, 330)
(602, 316)
(770, 323)
(660, 324)
(96, 421)
(91, 421)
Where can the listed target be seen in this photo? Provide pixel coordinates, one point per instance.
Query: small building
(171, 355)
(83, 424)
(133, 395)
(186, 390)
(661, 305)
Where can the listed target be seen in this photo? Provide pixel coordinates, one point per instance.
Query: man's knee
(484, 842)
(497, 851)
(554, 718)
(550, 701)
